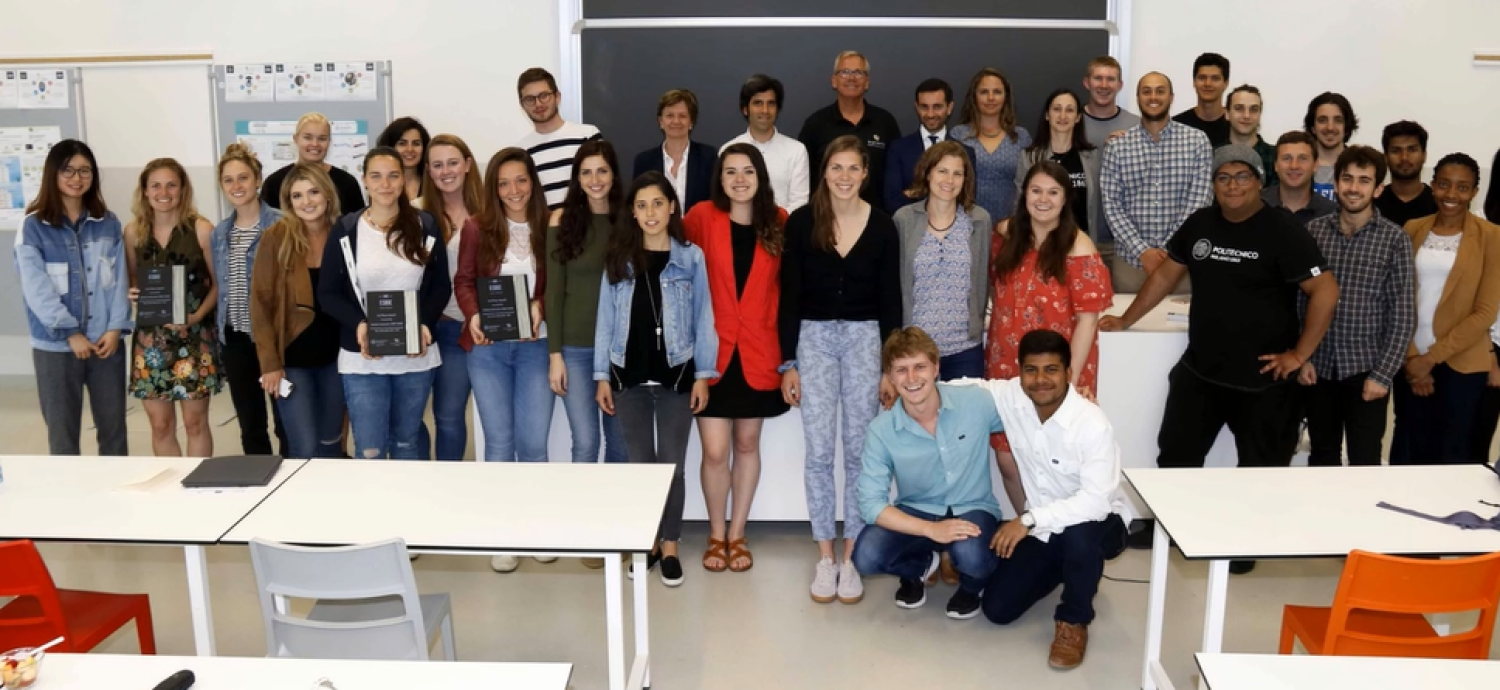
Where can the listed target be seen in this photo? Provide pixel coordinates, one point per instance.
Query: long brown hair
(48, 204)
(929, 160)
(970, 113)
(494, 231)
(187, 213)
(1052, 256)
(627, 247)
(290, 230)
(822, 200)
(765, 215)
(406, 237)
(432, 197)
(573, 226)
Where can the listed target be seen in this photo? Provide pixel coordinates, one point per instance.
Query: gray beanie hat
(1238, 153)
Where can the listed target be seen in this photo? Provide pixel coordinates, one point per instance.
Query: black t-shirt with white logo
(1245, 282)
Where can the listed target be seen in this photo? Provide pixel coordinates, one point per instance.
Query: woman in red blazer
(739, 230)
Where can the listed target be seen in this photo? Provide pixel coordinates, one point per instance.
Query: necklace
(938, 229)
(655, 313)
(991, 135)
(383, 225)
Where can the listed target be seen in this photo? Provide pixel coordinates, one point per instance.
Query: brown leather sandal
(738, 550)
(716, 549)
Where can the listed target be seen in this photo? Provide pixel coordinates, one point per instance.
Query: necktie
(932, 139)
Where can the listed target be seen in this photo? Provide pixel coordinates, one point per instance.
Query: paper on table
(163, 479)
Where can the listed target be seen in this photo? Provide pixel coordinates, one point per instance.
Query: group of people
(847, 268)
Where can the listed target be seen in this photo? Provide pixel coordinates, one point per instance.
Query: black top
(819, 285)
(645, 349)
(1073, 163)
(1217, 130)
(318, 345)
(698, 178)
(351, 195)
(742, 246)
(1399, 212)
(1245, 283)
(877, 129)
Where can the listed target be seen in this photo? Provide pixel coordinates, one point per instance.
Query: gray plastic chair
(366, 603)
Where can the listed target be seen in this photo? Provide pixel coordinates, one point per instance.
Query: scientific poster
(249, 84)
(23, 151)
(10, 88)
(303, 81)
(271, 140)
(43, 88)
(352, 81)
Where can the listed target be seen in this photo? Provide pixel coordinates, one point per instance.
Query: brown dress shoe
(1068, 646)
(947, 571)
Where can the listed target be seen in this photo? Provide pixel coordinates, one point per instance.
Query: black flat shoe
(671, 571)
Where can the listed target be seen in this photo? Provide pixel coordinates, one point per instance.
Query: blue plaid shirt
(1376, 314)
(1151, 186)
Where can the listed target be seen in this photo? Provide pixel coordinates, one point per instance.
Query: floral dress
(1026, 301)
(166, 365)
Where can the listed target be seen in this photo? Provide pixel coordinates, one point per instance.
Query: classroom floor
(718, 631)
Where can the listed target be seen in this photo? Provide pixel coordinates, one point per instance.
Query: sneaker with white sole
(545, 559)
(851, 589)
(504, 564)
(825, 584)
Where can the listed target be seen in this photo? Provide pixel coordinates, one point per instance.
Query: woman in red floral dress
(1046, 275)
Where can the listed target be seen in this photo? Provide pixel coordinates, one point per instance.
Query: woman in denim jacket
(655, 349)
(70, 255)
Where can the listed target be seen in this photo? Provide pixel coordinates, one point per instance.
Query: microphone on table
(181, 680)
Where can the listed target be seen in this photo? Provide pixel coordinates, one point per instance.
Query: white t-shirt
(379, 268)
(1433, 264)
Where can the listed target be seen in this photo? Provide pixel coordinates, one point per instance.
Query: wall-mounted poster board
(39, 106)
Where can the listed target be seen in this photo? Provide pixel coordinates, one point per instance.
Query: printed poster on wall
(43, 88)
(271, 140)
(23, 151)
(302, 81)
(352, 81)
(249, 84)
(10, 88)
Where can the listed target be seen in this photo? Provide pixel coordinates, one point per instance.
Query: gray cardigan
(1092, 159)
(911, 225)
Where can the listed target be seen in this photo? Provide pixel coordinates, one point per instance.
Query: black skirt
(733, 398)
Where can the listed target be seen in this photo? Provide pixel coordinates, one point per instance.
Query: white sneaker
(504, 564)
(851, 589)
(826, 582)
(545, 559)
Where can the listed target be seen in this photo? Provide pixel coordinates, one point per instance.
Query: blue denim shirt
(219, 245)
(73, 282)
(687, 316)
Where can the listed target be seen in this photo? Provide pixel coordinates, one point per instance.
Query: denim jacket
(687, 316)
(219, 244)
(73, 282)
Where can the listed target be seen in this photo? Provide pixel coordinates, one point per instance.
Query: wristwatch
(1028, 520)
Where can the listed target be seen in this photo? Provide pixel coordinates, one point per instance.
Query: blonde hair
(850, 54)
(432, 197)
(140, 207)
(240, 151)
(312, 118)
(291, 231)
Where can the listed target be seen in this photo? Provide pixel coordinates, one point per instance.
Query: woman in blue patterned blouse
(988, 125)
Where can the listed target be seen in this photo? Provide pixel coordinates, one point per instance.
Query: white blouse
(380, 268)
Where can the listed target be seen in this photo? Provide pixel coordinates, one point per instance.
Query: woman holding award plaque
(385, 280)
(176, 356)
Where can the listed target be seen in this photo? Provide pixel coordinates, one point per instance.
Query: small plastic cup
(19, 667)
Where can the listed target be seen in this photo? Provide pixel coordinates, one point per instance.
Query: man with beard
(1103, 118)
(1349, 376)
(1295, 156)
(1246, 341)
(761, 100)
(1153, 177)
(554, 141)
(1244, 126)
(1210, 77)
(1407, 196)
(851, 114)
(1330, 120)
(934, 105)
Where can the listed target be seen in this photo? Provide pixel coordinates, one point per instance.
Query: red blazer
(469, 270)
(748, 322)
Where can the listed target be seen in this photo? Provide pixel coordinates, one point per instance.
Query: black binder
(233, 471)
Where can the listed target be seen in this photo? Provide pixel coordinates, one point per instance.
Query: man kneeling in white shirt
(1070, 467)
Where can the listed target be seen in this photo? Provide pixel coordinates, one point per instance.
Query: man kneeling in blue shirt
(935, 445)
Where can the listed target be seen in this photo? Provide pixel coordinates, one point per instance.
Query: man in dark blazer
(934, 102)
(676, 113)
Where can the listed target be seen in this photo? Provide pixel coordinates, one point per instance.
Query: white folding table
(486, 508)
(1308, 672)
(127, 500)
(1219, 514)
(94, 671)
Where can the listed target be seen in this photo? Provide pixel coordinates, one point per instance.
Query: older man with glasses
(851, 114)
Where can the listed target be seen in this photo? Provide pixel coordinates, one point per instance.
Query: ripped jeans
(313, 415)
(385, 411)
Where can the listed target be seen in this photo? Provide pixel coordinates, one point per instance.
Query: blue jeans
(882, 551)
(966, 364)
(584, 417)
(450, 394)
(514, 399)
(385, 411)
(1073, 558)
(313, 416)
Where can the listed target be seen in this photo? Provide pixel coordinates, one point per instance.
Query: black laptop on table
(233, 471)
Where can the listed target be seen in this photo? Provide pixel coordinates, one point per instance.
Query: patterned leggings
(839, 362)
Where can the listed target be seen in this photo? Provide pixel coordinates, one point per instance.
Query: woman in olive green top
(576, 242)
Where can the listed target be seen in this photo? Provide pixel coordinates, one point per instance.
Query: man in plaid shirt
(1349, 375)
(1154, 176)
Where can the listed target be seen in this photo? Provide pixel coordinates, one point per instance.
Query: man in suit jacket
(934, 104)
(688, 164)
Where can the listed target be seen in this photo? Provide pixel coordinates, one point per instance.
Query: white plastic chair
(366, 603)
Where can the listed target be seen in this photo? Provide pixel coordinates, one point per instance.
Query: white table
(130, 500)
(1305, 672)
(486, 508)
(94, 671)
(1218, 514)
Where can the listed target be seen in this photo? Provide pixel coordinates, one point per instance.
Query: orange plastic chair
(1377, 610)
(41, 611)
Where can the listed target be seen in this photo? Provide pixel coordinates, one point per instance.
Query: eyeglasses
(1241, 179)
(852, 73)
(544, 98)
(85, 173)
